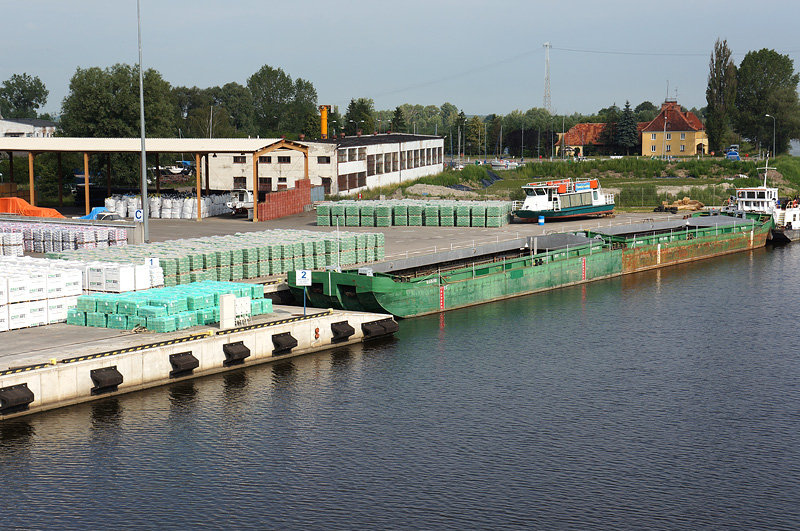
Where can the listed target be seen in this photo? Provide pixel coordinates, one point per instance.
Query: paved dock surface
(30, 346)
(399, 240)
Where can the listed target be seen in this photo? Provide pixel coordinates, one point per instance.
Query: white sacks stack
(36, 295)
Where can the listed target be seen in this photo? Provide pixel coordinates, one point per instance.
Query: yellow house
(674, 133)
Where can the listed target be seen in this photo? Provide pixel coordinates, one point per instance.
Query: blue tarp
(94, 212)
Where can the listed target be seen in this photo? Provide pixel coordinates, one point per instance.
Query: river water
(668, 399)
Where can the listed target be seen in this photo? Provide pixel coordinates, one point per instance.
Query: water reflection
(16, 433)
(183, 395)
(341, 358)
(283, 372)
(106, 414)
(234, 384)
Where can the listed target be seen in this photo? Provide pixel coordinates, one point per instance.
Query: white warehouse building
(342, 165)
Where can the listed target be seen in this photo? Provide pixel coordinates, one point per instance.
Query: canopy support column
(197, 184)
(108, 176)
(158, 175)
(255, 187)
(60, 181)
(31, 194)
(208, 176)
(11, 166)
(86, 181)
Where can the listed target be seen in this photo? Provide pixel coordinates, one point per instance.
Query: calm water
(662, 400)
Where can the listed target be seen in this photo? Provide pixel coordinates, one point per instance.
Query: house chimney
(389, 132)
(341, 135)
(375, 133)
(358, 133)
(302, 136)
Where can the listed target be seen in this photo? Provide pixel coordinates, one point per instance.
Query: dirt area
(430, 190)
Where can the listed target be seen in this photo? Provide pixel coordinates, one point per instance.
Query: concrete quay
(59, 365)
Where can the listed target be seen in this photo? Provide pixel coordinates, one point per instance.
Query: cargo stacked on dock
(54, 237)
(166, 309)
(36, 296)
(244, 255)
(414, 213)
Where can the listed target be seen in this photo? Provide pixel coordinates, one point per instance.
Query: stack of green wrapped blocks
(244, 255)
(164, 309)
(414, 213)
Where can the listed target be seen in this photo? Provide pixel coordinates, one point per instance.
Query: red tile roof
(589, 133)
(583, 134)
(677, 120)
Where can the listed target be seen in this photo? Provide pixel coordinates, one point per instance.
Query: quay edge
(99, 371)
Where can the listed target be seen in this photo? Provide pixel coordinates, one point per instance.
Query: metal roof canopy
(198, 146)
(133, 145)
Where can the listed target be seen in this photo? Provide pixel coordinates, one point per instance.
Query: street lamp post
(145, 205)
(773, 133)
(355, 123)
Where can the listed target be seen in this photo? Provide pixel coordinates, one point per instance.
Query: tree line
(103, 102)
(756, 101)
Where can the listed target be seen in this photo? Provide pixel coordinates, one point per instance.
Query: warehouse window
(351, 154)
(264, 160)
(669, 136)
(683, 147)
(341, 155)
(284, 160)
(362, 179)
(683, 136)
(362, 153)
(669, 148)
(281, 179)
(323, 160)
(653, 148)
(240, 182)
(653, 136)
(265, 184)
(239, 159)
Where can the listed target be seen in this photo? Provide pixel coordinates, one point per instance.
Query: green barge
(465, 277)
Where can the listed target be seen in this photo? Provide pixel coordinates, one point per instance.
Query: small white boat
(764, 200)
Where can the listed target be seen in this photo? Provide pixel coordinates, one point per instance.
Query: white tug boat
(562, 199)
(764, 200)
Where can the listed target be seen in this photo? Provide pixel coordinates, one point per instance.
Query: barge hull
(531, 274)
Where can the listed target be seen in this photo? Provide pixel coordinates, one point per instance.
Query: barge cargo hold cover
(455, 279)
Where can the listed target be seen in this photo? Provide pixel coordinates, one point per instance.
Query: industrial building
(342, 165)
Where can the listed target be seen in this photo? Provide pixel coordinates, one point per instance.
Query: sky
(484, 57)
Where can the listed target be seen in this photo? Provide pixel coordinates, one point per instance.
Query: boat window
(761, 195)
(740, 193)
(529, 192)
(595, 195)
(751, 195)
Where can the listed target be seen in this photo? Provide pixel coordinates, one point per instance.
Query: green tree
(21, 96)
(474, 136)
(720, 94)
(608, 137)
(646, 111)
(105, 103)
(303, 107)
(360, 115)
(767, 84)
(398, 120)
(272, 90)
(627, 133)
(238, 102)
